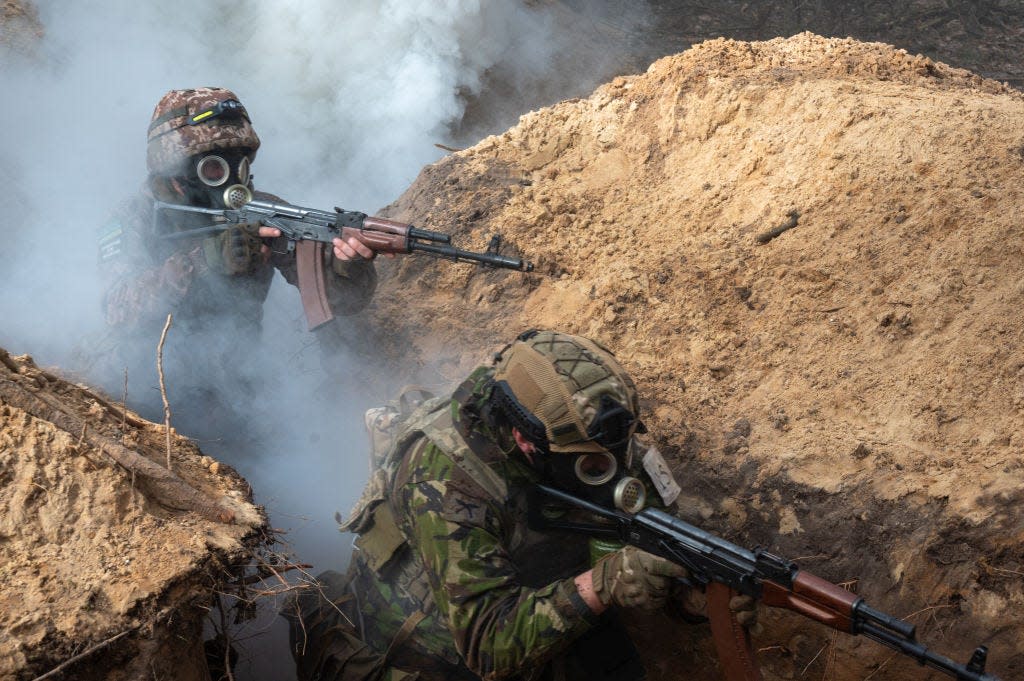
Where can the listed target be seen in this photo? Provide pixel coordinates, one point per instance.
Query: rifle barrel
(459, 255)
(923, 655)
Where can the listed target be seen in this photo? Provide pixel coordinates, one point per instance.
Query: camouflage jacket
(448, 578)
(146, 277)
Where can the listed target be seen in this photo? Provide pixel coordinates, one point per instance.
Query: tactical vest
(393, 433)
(383, 546)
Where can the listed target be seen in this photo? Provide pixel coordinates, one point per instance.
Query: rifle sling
(309, 258)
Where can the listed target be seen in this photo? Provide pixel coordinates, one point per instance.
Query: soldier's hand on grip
(237, 250)
(745, 610)
(633, 578)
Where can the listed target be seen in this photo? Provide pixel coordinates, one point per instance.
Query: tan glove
(633, 578)
(236, 250)
(745, 610)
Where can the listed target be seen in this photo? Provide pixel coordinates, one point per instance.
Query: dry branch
(790, 223)
(124, 401)
(163, 388)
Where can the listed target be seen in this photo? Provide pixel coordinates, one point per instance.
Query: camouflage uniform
(217, 315)
(448, 581)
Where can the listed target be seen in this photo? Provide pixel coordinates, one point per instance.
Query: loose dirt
(99, 544)
(808, 253)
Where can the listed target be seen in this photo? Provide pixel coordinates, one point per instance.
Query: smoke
(349, 100)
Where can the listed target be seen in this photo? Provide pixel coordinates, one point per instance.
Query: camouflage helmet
(566, 393)
(190, 122)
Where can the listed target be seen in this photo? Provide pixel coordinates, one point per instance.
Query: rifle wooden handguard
(382, 235)
(814, 598)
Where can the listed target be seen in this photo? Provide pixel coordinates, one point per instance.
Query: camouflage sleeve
(352, 285)
(500, 627)
(137, 289)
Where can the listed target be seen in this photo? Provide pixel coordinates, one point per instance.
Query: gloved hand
(633, 578)
(237, 250)
(745, 610)
(691, 607)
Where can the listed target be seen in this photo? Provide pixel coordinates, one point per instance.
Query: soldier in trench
(200, 150)
(449, 579)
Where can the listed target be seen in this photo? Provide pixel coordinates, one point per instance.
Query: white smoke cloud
(349, 99)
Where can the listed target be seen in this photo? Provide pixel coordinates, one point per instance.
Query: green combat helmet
(187, 123)
(571, 398)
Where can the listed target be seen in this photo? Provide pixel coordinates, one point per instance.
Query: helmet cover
(567, 390)
(186, 123)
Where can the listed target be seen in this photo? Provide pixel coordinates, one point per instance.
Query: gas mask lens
(213, 171)
(598, 471)
(596, 468)
(243, 170)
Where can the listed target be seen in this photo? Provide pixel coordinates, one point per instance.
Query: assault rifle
(382, 235)
(724, 569)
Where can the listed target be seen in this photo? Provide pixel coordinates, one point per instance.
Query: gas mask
(571, 399)
(596, 476)
(600, 476)
(219, 179)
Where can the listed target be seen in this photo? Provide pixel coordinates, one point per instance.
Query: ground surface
(848, 392)
(91, 554)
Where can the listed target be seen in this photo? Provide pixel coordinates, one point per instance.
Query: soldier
(450, 579)
(201, 145)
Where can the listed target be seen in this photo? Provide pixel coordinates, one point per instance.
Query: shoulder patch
(111, 238)
(464, 502)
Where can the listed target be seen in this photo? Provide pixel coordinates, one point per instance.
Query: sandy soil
(93, 554)
(849, 391)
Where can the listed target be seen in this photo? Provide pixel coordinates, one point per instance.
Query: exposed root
(85, 653)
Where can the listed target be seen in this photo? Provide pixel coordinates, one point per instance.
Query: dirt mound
(808, 253)
(100, 545)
